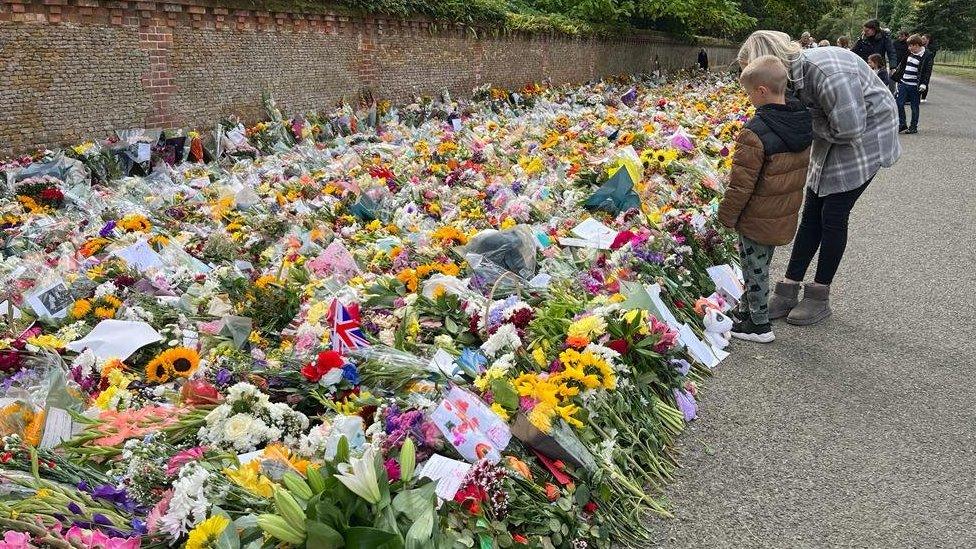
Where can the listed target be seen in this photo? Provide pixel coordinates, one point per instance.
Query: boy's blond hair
(916, 40)
(765, 70)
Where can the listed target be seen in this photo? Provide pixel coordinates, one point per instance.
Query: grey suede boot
(813, 308)
(783, 299)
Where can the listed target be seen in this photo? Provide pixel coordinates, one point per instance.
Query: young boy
(765, 189)
(913, 78)
(876, 62)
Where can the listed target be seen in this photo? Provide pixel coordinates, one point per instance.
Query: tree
(950, 22)
(901, 13)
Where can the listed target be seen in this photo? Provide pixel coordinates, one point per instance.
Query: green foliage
(951, 22)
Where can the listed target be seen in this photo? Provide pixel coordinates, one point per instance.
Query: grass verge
(967, 73)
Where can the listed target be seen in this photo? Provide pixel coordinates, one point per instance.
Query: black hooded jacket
(880, 44)
(782, 128)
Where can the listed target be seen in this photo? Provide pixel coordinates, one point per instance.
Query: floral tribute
(251, 342)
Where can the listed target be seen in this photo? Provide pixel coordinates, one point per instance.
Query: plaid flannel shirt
(855, 121)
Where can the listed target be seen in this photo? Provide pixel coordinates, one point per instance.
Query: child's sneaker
(911, 130)
(748, 331)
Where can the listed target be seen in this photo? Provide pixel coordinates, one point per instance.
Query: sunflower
(182, 361)
(105, 312)
(157, 371)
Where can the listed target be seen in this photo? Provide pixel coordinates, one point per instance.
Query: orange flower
(552, 492)
(520, 467)
(577, 342)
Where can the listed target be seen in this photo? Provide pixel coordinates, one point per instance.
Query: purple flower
(102, 519)
(681, 365)
(223, 376)
(107, 229)
(686, 403)
(74, 508)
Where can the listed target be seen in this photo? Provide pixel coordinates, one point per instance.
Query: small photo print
(52, 300)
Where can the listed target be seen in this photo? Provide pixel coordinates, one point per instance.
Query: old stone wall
(78, 69)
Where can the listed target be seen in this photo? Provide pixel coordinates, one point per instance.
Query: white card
(58, 427)
(581, 243)
(51, 300)
(116, 339)
(665, 314)
(447, 473)
(144, 152)
(236, 136)
(141, 256)
(540, 280)
(698, 349)
(726, 280)
(596, 232)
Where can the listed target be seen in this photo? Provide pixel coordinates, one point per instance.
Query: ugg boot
(813, 308)
(783, 299)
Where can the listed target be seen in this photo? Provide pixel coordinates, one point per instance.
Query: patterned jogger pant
(755, 271)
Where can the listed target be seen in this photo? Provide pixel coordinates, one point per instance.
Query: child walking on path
(765, 190)
(913, 79)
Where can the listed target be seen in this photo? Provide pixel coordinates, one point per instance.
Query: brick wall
(76, 69)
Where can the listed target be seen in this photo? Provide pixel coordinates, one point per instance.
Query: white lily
(359, 475)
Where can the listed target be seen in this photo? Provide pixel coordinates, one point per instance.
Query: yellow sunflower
(157, 371)
(81, 308)
(182, 361)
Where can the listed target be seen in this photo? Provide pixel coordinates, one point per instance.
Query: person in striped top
(913, 77)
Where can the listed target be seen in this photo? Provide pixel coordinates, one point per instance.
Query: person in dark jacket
(901, 47)
(765, 190)
(703, 59)
(876, 62)
(932, 47)
(874, 40)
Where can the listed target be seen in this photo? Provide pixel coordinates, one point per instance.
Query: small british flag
(346, 333)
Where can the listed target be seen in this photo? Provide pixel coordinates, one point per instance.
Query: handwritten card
(471, 427)
(447, 473)
(141, 256)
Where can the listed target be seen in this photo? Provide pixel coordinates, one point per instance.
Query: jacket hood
(791, 123)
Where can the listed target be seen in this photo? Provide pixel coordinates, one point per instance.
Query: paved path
(860, 432)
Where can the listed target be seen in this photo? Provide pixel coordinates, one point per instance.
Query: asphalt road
(860, 432)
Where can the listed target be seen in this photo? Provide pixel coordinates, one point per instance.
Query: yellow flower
(446, 147)
(135, 223)
(104, 312)
(532, 165)
(206, 534)
(568, 412)
(507, 223)
(81, 308)
(541, 417)
(539, 356)
(588, 327)
(265, 280)
(248, 476)
(47, 341)
(500, 411)
(105, 397)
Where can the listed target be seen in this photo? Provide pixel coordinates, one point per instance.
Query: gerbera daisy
(206, 534)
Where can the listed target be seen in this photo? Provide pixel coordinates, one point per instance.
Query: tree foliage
(951, 22)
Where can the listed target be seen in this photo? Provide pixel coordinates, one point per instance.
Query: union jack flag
(346, 334)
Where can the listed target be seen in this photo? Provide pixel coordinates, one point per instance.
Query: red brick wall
(76, 69)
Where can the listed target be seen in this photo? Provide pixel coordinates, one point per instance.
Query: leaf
(322, 535)
(452, 327)
(418, 536)
(363, 537)
(504, 393)
(228, 538)
(413, 503)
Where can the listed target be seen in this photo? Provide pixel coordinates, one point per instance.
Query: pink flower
(392, 469)
(95, 539)
(182, 458)
(158, 511)
(15, 540)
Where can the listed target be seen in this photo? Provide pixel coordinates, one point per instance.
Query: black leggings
(824, 226)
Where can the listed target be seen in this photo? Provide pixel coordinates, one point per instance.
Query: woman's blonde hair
(767, 42)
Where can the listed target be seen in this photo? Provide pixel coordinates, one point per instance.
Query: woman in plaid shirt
(855, 127)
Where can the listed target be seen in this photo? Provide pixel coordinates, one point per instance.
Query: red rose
(619, 345)
(520, 539)
(199, 392)
(590, 507)
(552, 492)
(327, 360)
(311, 373)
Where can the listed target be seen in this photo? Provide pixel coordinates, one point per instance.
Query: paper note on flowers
(698, 349)
(727, 281)
(447, 473)
(141, 256)
(471, 427)
(591, 234)
(116, 339)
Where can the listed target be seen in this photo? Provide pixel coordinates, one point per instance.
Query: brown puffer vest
(769, 170)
